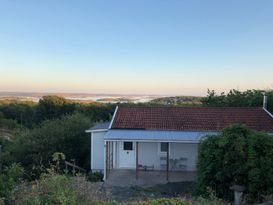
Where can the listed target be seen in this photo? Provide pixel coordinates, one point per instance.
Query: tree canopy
(236, 98)
(34, 148)
(237, 156)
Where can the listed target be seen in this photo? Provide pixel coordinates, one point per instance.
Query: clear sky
(168, 47)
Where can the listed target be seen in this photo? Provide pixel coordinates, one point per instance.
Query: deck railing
(74, 167)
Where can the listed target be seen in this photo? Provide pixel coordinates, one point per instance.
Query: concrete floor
(125, 177)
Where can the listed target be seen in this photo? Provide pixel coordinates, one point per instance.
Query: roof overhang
(156, 136)
(98, 130)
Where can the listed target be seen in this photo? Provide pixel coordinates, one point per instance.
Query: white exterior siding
(188, 151)
(97, 151)
(149, 155)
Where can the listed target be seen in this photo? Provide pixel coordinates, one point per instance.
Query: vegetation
(57, 189)
(72, 191)
(34, 148)
(236, 98)
(238, 156)
(165, 201)
(29, 114)
(178, 100)
(95, 177)
(30, 133)
(9, 179)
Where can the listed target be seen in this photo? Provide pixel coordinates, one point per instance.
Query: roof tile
(191, 118)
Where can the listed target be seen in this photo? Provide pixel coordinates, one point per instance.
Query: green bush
(58, 189)
(236, 98)
(165, 201)
(10, 178)
(34, 149)
(95, 177)
(237, 156)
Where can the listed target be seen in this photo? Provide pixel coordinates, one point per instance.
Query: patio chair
(183, 163)
(146, 167)
(163, 163)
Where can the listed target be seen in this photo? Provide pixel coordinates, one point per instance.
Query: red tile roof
(191, 118)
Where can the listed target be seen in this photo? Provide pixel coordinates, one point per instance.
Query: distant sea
(85, 97)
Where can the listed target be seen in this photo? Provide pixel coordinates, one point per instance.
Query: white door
(127, 157)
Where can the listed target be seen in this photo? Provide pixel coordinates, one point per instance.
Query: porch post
(112, 155)
(136, 160)
(109, 154)
(167, 167)
(107, 159)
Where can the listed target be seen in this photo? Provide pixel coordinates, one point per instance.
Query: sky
(161, 47)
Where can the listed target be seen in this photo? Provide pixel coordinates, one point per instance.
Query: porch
(147, 158)
(127, 177)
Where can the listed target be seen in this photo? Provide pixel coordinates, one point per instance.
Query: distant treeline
(236, 98)
(30, 114)
(178, 100)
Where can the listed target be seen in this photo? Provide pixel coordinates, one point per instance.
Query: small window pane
(163, 147)
(128, 146)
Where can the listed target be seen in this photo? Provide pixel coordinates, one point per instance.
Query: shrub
(58, 189)
(95, 177)
(34, 149)
(211, 199)
(237, 156)
(165, 201)
(9, 180)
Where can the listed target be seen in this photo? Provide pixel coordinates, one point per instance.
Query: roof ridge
(178, 106)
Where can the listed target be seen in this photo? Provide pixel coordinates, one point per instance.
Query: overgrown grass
(58, 189)
(55, 189)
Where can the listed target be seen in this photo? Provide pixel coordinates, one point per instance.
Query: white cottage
(159, 144)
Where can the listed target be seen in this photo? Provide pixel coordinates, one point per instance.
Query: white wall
(149, 154)
(189, 151)
(97, 151)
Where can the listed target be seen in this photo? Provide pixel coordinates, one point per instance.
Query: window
(127, 145)
(163, 147)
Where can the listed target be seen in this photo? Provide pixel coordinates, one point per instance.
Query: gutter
(269, 113)
(110, 126)
(98, 130)
(265, 104)
(141, 140)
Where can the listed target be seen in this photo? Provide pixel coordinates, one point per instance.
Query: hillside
(178, 100)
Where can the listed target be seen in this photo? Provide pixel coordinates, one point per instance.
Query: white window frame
(159, 149)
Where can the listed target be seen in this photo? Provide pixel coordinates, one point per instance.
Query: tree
(236, 98)
(238, 156)
(33, 149)
(21, 113)
(53, 107)
(97, 111)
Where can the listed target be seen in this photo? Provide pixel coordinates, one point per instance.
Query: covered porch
(146, 158)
